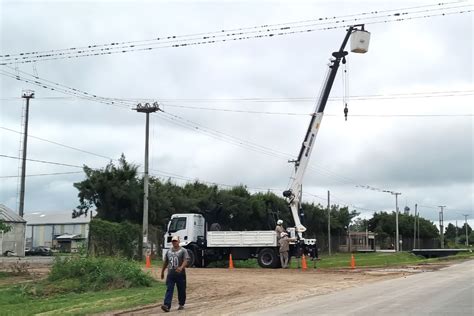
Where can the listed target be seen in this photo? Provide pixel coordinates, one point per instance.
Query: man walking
(176, 260)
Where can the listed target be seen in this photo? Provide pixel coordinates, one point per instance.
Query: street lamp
(397, 241)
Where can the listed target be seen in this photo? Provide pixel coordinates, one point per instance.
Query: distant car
(39, 251)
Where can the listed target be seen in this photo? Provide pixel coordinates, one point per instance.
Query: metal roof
(58, 218)
(9, 216)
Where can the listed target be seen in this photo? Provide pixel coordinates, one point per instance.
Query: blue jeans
(180, 280)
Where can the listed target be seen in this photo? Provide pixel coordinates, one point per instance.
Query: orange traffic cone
(303, 263)
(231, 263)
(148, 263)
(353, 262)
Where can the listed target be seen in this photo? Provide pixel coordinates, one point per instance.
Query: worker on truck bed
(176, 260)
(284, 243)
(279, 229)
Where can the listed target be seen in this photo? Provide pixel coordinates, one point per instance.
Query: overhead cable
(236, 36)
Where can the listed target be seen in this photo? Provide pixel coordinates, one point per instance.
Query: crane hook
(346, 110)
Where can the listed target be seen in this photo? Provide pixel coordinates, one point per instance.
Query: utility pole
(146, 108)
(414, 228)
(456, 238)
(465, 224)
(397, 242)
(26, 94)
(329, 223)
(441, 225)
(418, 231)
(396, 220)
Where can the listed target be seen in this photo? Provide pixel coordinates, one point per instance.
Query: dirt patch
(233, 292)
(29, 273)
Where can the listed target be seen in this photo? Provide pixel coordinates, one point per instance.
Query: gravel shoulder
(237, 291)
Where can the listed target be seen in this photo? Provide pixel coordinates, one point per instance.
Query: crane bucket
(360, 41)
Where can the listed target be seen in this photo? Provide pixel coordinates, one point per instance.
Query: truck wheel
(198, 257)
(192, 257)
(267, 258)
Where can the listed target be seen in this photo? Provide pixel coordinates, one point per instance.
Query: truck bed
(262, 238)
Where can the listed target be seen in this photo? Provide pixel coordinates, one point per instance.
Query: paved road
(449, 291)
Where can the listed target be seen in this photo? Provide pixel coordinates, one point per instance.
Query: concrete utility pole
(146, 108)
(465, 224)
(397, 242)
(414, 228)
(418, 231)
(26, 94)
(329, 223)
(456, 238)
(441, 225)
(396, 220)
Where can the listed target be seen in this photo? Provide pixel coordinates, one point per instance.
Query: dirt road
(232, 292)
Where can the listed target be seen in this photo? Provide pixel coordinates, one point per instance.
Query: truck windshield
(176, 224)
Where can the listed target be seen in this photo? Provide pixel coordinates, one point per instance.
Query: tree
(4, 227)
(360, 225)
(114, 191)
(451, 232)
(462, 234)
(383, 224)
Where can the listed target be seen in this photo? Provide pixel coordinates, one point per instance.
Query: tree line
(115, 192)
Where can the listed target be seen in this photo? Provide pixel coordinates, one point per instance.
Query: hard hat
(283, 234)
(175, 238)
(279, 222)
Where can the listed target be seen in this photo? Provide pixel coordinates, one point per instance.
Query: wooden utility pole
(27, 94)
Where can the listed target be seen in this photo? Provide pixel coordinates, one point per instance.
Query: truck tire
(268, 258)
(198, 262)
(192, 257)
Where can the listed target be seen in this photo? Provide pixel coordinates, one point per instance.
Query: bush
(114, 239)
(83, 274)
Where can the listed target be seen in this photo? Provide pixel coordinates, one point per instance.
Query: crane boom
(293, 194)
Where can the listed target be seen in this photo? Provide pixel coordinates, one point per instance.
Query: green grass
(4, 274)
(81, 286)
(13, 301)
(343, 260)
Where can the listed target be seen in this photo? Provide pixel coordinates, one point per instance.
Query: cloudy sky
(236, 111)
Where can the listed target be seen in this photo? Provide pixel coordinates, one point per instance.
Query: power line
(42, 174)
(44, 83)
(409, 95)
(119, 45)
(239, 36)
(59, 144)
(43, 161)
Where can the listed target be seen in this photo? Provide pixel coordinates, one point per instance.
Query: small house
(12, 242)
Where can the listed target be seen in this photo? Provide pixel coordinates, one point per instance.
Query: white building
(14, 240)
(56, 230)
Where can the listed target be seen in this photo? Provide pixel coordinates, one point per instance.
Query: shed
(14, 240)
(43, 229)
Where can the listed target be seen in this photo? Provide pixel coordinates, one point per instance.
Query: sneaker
(165, 308)
(181, 307)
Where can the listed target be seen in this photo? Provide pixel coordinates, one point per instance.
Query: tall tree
(114, 191)
(450, 233)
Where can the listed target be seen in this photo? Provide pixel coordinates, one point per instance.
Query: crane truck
(205, 246)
